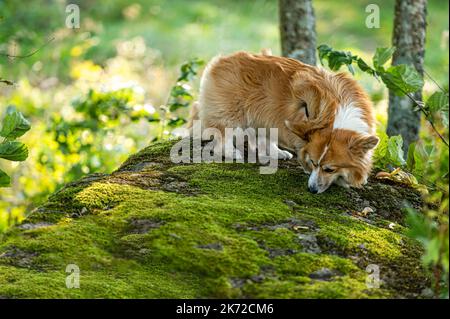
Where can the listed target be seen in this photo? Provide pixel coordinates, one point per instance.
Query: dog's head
(334, 156)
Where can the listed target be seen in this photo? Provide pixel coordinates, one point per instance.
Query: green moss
(229, 232)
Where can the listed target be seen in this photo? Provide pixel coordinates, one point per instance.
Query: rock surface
(154, 229)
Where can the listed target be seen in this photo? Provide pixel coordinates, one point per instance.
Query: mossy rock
(153, 229)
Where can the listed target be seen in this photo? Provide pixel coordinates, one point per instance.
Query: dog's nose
(313, 189)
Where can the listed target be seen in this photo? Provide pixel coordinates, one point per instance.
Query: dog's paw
(279, 155)
(284, 155)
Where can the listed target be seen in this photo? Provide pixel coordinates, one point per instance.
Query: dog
(324, 117)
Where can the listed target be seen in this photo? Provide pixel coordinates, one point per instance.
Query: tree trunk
(409, 39)
(298, 30)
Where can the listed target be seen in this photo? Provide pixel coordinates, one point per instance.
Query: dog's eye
(304, 105)
(328, 170)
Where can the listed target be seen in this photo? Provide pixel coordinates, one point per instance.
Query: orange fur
(264, 91)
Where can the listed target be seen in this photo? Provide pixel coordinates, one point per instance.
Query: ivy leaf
(402, 79)
(13, 151)
(14, 124)
(382, 55)
(5, 180)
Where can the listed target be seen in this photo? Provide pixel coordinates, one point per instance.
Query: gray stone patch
(142, 226)
(30, 226)
(309, 243)
(324, 274)
(213, 246)
(18, 257)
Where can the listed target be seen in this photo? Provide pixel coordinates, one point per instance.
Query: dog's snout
(313, 189)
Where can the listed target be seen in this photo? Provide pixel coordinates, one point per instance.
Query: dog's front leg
(270, 150)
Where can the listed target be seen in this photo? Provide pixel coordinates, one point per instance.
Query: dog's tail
(193, 115)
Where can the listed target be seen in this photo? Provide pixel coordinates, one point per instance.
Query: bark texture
(297, 29)
(409, 39)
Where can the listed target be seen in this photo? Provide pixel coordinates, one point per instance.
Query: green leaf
(438, 101)
(379, 156)
(410, 161)
(338, 58)
(419, 226)
(5, 180)
(444, 117)
(154, 118)
(365, 67)
(431, 256)
(13, 151)
(179, 91)
(14, 124)
(418, 157)
(189, 70)
(402, 79)
(176, 105)
(382, 55)
(324, 50)
(176, 122)
(395, 151)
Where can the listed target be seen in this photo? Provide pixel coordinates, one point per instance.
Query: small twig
(434, 81)
(420, 106)
(6, 82)
(29, 54)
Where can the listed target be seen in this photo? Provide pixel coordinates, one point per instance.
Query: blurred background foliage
(96, 94)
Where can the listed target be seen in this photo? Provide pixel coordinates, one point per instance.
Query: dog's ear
(302, 129)
(363, 143)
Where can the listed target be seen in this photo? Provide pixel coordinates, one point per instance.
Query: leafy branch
(180, 96)
(12, 56)
(402, 80)
(14, 125)
(7, 82)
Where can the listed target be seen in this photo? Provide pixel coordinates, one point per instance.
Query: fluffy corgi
(325, 118)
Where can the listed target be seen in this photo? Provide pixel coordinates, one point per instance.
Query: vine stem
(420, 105)
(12, 56)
